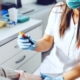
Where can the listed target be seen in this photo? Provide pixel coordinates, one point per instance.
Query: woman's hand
(25, 44)
(46, 77)
(27, 76)
(22, 75)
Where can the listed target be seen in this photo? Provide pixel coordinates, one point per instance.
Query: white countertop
(9, 33)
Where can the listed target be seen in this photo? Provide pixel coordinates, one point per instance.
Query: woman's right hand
(24, 43)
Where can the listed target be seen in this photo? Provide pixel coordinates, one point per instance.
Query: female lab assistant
(63, 30)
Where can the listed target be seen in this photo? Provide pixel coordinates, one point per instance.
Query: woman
(63, 30)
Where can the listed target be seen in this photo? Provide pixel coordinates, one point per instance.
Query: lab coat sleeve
(52, 19)
(50, 25)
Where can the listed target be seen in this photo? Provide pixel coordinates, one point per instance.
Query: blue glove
(25, 44)
(45, 77)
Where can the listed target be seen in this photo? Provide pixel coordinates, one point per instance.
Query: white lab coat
(64, 54)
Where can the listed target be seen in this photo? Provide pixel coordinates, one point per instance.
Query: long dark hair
(65, 22)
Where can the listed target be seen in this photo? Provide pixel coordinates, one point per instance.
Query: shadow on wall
(45, 2)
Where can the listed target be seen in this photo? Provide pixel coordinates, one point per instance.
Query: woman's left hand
(46, 77)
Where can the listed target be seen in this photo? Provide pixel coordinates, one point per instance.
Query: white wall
(28, 1)
(8, 1)
(23, 1)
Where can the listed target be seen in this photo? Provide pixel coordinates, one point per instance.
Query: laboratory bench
(11, 55)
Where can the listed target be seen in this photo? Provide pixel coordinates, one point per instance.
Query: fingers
(20, 37)
(24, 44)
(23, 47)
(43, 75)
(20, 74)
(23, 40)
(47, 78)
(17, 73)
